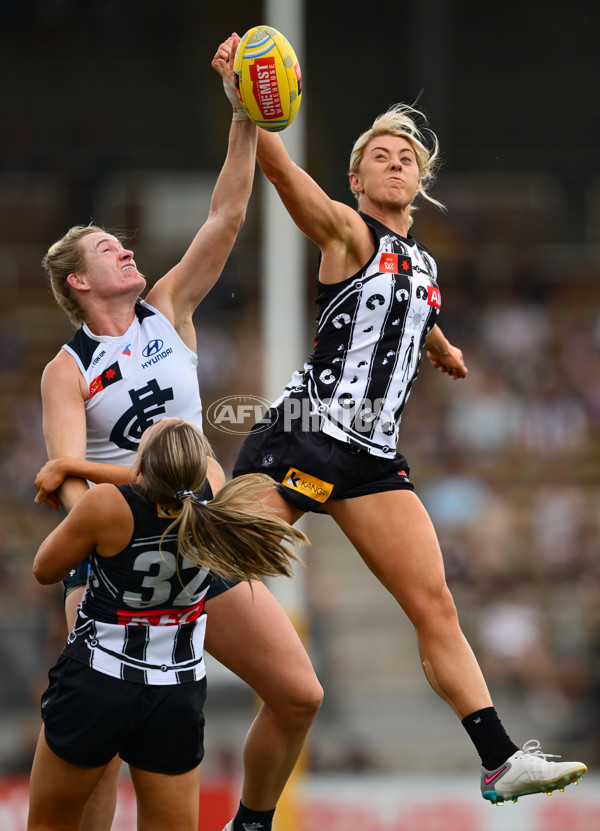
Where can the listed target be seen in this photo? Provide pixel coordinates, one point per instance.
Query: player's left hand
(223, 63)
(47, 481)
(224, 57)
(450, 361)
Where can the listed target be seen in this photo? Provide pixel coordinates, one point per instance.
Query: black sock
(247, 820)
(489, 737)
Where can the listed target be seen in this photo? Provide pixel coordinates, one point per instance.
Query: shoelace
(534, 748)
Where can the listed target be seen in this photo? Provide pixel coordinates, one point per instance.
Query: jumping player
(334, 431)
(130, 363)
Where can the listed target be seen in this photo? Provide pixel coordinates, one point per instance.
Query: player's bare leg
(279, 671)
(165, 802)
(99, 811)
(396, 539)
(58, 791)
(100, 808)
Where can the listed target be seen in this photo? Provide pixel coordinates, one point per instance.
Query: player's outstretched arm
(319, 217)
(179, 292)
(322, 219)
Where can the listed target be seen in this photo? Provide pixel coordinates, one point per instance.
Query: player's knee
(434, 608)
(308, 702)
(313, 699)
(301, 704)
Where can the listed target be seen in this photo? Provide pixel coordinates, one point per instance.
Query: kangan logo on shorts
(307, 485)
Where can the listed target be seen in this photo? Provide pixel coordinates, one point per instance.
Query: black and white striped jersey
(142, 615)
(370, 334)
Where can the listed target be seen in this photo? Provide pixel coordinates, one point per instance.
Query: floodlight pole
(283, 262)
(284, 328)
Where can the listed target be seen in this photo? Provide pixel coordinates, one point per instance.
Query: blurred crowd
(507, 462)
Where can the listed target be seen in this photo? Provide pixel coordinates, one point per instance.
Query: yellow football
(268, 78)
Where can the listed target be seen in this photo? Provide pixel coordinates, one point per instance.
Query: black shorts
(78, 575)
(90, 717)
(312, 467)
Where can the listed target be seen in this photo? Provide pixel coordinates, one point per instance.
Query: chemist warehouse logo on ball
(238, 414)
(264, 87)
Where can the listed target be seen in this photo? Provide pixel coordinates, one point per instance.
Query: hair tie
(183, 494)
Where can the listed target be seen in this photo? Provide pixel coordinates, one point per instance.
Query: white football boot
(528, 771)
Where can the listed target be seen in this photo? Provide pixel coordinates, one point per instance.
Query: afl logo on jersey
(391, 263)
(152, 348)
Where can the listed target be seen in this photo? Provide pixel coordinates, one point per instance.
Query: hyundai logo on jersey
(152, 348)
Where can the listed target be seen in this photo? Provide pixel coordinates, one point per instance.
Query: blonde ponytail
(234, 534)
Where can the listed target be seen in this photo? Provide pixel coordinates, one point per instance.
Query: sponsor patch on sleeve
(111, 375)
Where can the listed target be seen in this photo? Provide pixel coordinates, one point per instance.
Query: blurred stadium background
(110, 111)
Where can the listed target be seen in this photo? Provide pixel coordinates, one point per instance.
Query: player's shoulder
(104, 514)
(352, 236)
(62, 369)
(103, 502)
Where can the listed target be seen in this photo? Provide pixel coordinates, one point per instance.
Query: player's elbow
(44, 573)
(230, 219)
(237, 218)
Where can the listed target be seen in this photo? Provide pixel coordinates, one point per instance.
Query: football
(268, 78)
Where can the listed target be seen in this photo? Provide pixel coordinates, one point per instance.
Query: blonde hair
(233, 534)
(64, 257)
(401, 120)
